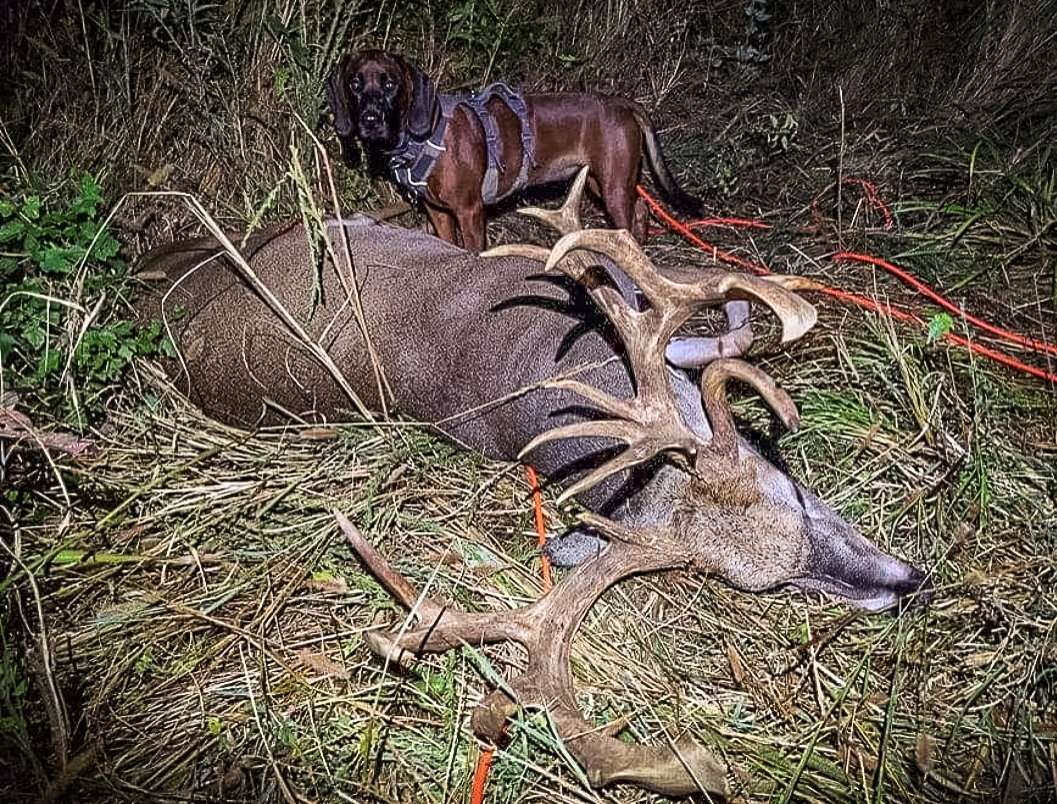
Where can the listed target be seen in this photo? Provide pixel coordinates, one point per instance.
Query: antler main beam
(546, 628)
(651, 423)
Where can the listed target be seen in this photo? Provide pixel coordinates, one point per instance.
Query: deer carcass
(508, 355)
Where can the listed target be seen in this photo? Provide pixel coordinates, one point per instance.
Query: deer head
(730, 513)
(760, 529)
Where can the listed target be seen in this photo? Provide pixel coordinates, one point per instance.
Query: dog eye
(389, 84)
(357, 84)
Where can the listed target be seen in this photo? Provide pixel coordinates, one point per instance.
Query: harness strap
(412, 161)
(478, 103)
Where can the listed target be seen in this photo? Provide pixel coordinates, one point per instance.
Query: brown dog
(459, 153)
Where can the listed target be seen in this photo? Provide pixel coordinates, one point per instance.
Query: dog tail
(680, 200)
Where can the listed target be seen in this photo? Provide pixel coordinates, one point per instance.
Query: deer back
(462, 341)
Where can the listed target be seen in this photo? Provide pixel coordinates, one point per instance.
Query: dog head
(376, 96)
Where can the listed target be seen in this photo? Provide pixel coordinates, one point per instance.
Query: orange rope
(541, 525)
(480, 776)
(873, 198)
(708, 223)
(869, 304)
(925, 290)
(484, 764)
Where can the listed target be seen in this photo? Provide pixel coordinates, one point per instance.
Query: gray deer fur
(460, 338)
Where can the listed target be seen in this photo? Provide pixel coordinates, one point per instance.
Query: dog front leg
(472, 226)
(444, 224)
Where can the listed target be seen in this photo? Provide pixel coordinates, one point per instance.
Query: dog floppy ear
(338, 98)
(421, 106)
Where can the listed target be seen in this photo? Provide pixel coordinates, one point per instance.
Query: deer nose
(915, 591)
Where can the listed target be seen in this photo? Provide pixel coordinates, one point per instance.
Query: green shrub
(66, 334)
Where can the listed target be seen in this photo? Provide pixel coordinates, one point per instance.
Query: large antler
(651, 423)
(688, 352)
(648, 424)
(546, 628)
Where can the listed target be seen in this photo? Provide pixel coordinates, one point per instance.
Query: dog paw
(574, 547)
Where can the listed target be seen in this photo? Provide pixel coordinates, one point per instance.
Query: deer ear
(421, 108)
(338, 98)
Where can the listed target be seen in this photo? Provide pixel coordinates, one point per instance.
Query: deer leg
(574, 547)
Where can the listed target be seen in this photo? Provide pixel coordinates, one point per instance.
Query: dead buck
(503, 354)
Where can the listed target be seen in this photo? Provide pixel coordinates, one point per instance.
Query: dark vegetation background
(126, 675)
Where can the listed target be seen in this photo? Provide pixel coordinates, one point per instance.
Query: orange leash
(541, 525)
(484, 764)
(869, 304)
(480, 776)
(915, 283)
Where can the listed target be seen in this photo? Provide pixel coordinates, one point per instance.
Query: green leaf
(89, 199)
(106, 247)
(48, 364)
(12, 230)
(31, 207)
(34, 336)
(59, 260)
(939, 325)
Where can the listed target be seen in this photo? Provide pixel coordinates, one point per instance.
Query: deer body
(472, 345)
(457, 336)
(460, 338)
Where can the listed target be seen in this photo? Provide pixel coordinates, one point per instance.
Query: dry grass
(203, 621)
(207, 619)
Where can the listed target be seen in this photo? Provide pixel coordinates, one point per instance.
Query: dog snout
(372, 116)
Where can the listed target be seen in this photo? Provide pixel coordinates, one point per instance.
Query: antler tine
(566, 218)
(682, 298)
(678, 299)
(796, 314)
(532, 252)
(714, 380)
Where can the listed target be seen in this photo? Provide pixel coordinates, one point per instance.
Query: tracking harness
(413, 160)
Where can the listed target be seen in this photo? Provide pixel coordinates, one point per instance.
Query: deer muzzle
(844, 565)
